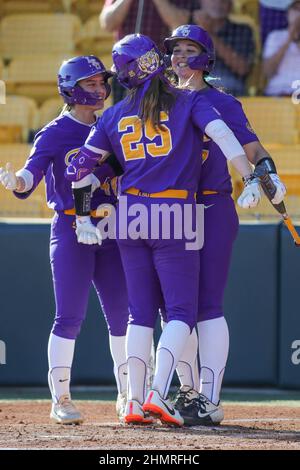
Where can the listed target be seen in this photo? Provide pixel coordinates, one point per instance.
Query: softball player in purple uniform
(82, 82)
(193, 57)
(156, 135)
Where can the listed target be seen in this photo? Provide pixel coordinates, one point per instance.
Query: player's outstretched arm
(223, 136)
(21, 182)
(80, 173)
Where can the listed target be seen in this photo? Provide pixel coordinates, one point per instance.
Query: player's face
(182, 50)
(95, 84)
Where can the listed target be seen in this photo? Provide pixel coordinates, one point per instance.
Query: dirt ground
(26, 425)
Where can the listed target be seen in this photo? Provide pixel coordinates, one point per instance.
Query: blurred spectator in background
(272, 16)
(281, 55)
(154, 18)
(234, 43)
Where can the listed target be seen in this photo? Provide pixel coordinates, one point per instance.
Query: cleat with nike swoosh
(134, 414)
(162, 409)
(65, 412)
(201, 411)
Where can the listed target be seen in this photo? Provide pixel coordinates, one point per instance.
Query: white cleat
(162, 409)
(121, 405)
(134, 414)
(201, 411)
(65, 412)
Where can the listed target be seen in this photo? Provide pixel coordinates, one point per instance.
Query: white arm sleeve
(104, 153)
(220, 133)
(94, 149)
(27, 176)
(86, 181)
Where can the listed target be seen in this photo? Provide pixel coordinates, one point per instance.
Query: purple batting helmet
(204, 61)
(79, 68)
(136, 59)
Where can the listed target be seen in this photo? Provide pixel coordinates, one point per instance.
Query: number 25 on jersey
(131, 141)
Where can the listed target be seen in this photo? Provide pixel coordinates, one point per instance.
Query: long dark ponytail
(160, 96)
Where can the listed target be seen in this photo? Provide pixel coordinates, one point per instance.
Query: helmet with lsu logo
(79, 68)
(206, 59)
(136, 59)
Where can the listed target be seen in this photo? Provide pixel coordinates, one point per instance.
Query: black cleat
(202, 412)
(184, 396)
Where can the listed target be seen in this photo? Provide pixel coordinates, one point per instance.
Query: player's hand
(86, 232)
(250, 196)
(111, 186)
(8, 177)
(280, 189)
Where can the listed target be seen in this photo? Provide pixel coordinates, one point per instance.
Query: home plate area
(26, 425)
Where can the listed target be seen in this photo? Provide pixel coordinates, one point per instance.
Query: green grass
(230, 396)
(262, 396)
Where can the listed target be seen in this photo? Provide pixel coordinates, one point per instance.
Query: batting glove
(280, 189)
(86, 232)
(8, 177)
(250, 196)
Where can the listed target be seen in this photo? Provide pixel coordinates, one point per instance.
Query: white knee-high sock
(60, 358)
(138, 350)
(169, 351)
(118, 353)
(187, 368)
(213, 352)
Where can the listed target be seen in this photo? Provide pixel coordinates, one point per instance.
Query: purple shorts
(159, 266)
(75, 267)
(220, 231)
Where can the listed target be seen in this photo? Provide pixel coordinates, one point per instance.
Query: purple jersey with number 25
(155, 159)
